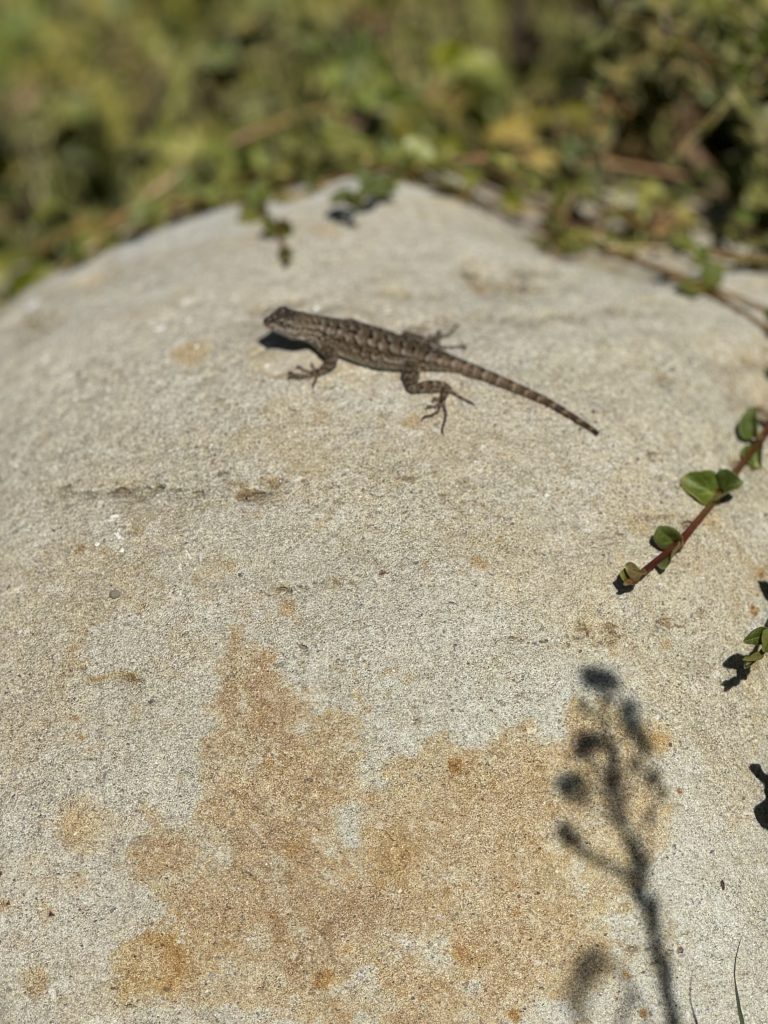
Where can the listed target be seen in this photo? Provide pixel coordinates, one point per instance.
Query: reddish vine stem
(740, 304)
(672, 549)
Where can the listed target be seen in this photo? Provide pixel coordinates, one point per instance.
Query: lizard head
(284, 321)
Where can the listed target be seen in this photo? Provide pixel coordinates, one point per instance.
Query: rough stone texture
(293, 685)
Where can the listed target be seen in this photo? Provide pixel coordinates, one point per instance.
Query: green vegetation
(624, 122)
(708, 488)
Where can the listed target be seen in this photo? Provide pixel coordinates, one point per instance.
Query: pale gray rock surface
(292, 683)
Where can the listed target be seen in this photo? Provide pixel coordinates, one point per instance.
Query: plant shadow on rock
(616, 793)
(761, 809)
(738, 663)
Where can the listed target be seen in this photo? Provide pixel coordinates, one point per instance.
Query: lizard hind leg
(438, 388)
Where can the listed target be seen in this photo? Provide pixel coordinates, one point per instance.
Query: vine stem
(740, 304)
(675, 546)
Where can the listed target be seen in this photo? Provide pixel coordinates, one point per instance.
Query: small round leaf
(754, 636)
(746, 429)
(664, 536)
(727, 480)
(631, 574)
(710, 277)
(701, 486)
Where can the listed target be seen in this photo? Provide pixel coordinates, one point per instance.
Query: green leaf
(701, 486)
(664, 536)
(750, 659)
(371, 188)
(755, 459)
(727, 480)
(710, 277)
(631, 574)
(663, 565)
(707, 280)
(754, 636)
(746, 429)
(764, 639)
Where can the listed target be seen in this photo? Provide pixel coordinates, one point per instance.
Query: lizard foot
(306, 373)
(437, 336)
(439, 405)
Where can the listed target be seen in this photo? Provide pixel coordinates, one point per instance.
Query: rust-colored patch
(124, 675)
(35, 981)
(287, 608)
(213, 567)
(252, 494)
(602, 632)
(191, 353)
(323, 979)
(268, 485)
(83, 825)
(152, 963)
(478, 562)
(452, 888)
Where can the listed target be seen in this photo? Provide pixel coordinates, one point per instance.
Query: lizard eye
(277, 316)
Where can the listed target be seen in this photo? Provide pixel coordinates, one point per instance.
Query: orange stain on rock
(452, 889)
(191, 353)
(83, 825)
(152, 963)
(35, 981)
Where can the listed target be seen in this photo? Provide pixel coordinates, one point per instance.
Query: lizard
(406, 353)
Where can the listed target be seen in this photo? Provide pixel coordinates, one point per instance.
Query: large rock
(313, 715)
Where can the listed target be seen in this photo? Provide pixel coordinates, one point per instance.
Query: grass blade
(690, 1001)
(736, 987)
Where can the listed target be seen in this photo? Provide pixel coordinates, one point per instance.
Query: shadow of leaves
(761, 809)
(615, 786)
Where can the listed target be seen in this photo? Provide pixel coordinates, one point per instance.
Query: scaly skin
(407, 354)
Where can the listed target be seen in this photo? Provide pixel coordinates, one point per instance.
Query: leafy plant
(758, 639)
(708, 488)
(623, 123)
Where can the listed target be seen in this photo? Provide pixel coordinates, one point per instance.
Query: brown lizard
(407, 354)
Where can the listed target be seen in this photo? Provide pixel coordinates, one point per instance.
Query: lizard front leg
(305, 373)
(438, 388)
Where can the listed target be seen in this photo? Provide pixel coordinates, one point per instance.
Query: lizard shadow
(275, 340)
(616, 794)
(736, 662)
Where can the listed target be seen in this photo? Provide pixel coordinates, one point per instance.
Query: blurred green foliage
(628, 119)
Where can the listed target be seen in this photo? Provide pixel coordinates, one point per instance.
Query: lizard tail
(489, 377)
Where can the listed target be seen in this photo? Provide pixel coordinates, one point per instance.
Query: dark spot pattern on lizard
(407, 353)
